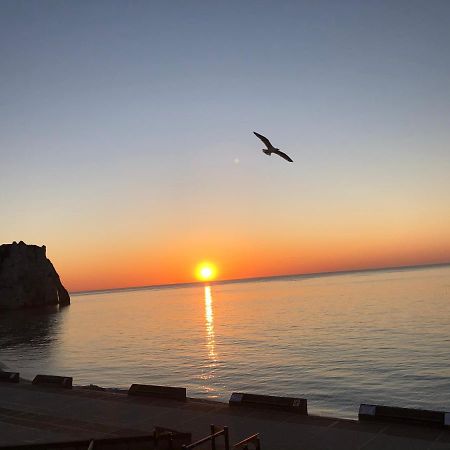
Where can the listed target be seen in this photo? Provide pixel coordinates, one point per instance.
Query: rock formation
(28, 278)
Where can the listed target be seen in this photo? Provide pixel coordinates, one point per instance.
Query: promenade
(32, 414)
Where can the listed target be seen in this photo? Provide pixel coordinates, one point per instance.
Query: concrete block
(403, 415)
(147, 390)
(291, 404)
(54, 381)
(9, 377)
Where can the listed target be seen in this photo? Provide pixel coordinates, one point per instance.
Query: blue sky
(119, 116)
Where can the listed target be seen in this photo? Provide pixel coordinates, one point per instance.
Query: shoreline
(122, 391)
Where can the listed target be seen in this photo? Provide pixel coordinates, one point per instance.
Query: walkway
(32, 414)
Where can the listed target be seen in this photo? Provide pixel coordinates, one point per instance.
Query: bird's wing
(283, 155)
(264, 139)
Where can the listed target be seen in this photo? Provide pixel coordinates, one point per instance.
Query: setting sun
(206, 271)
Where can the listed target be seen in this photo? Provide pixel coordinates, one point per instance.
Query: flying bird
(270, 148)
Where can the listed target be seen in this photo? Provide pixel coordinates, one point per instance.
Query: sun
(206, 271)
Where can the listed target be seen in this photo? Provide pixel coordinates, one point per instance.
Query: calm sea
(381, 337)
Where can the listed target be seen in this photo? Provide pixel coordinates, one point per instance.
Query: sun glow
(206, 271)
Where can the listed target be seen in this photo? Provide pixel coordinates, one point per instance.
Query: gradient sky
(126, 142)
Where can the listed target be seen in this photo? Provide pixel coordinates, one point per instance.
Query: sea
(338, 340)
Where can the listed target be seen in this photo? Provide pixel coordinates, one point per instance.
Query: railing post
(227, 440)
(213, 439)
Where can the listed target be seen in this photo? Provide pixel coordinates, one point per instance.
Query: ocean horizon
(262, 278)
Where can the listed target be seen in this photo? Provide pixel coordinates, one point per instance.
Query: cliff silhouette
(28, 278)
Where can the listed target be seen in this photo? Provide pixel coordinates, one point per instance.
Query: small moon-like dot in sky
(236, 160)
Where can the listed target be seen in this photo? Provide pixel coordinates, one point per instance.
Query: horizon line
(252, 279)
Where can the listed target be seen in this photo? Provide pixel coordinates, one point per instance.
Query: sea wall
(28, 278)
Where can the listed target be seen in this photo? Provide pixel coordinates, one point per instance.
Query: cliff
(28, 278)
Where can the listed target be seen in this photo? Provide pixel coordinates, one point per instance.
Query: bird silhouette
(271, 149)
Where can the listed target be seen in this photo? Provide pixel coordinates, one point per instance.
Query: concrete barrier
(291, 404)
(53, 381)
(404, 415)
(148, 390)
(9, 377)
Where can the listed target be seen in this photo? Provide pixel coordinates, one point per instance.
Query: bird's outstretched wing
(264, 139)
(283, 155)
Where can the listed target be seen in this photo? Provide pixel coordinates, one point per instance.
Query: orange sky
(127, 146)
(236, 257)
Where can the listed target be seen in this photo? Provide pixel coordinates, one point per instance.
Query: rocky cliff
(28, 278)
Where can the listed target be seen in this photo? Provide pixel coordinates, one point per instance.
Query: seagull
(270, 148)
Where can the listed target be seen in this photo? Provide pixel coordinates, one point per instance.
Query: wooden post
(227, 439)
(213, 439)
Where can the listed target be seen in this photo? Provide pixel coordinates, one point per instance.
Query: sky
(126, 142)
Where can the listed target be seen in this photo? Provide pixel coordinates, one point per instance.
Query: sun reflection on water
(209, 324)
(209, 374)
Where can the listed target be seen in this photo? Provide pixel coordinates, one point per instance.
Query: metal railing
(215, 433)
(168, 435)
(171, 439)
(251, 440)
(84, 444)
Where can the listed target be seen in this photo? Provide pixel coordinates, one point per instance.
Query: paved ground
(31, 414)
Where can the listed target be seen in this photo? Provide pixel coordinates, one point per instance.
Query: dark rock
(28, 278)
